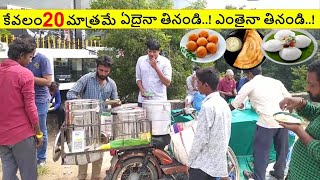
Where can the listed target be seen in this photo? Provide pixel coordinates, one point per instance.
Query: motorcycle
(152, 163)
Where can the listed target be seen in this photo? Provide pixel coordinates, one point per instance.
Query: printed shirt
(210, 143)
(40, 66)
(305, 159)
(150, 79)
(226, 85)
(17, 108)
(88, 87)
(265, 95)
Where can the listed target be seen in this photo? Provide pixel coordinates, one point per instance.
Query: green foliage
(4, 32)
(299, 78)
(43, 170)
(200, 4)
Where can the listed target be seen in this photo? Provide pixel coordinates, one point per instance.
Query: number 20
(56, 16)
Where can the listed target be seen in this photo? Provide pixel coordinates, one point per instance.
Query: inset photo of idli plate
(289, 47)
(202, 45)
(244, 49)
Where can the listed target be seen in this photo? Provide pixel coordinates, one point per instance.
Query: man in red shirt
(227, 86)
(19, 121)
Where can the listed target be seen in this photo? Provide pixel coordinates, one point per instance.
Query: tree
(299, 78)
(199, 4)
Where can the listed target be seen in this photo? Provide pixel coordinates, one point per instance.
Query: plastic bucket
(159, 113)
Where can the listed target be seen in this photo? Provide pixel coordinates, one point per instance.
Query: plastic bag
(181, 142)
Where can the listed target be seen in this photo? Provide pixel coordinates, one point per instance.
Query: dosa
(251, 54)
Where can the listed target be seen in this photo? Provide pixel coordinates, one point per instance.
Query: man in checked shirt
(96, 85)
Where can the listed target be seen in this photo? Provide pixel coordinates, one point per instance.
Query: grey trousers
(263, 139)
(20, 156)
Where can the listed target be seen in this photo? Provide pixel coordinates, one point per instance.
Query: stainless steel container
(128, 122)
(84, 115)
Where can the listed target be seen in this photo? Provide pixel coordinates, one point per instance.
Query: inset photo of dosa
(244, 49)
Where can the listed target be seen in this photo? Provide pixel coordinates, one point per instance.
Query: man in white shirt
(208, 157)
(153, 74)
(265, 94)
(191, 87)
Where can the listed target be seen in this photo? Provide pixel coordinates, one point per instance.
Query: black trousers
(198, 174)
(263, 139)
(61, 115)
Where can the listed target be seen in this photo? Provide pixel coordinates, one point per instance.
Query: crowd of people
(28, 93)
(228, 87)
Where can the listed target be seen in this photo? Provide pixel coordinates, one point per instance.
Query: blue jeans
(42, 114)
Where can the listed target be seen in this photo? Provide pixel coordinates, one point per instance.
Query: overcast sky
(212, 4)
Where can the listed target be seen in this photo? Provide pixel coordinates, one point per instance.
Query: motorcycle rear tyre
(152, 169)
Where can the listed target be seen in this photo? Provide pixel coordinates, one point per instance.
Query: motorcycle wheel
(233, 165)
(130, 167)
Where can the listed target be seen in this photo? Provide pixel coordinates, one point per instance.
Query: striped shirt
(88, 87)
(305, 159)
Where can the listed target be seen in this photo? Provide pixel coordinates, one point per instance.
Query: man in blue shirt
(241, 82)
(56, 106)
(97, 85)
(41, 68)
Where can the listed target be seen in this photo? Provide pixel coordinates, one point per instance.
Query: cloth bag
(181, 142)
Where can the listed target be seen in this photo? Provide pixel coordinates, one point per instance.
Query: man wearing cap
(265, 95)
(227, 86)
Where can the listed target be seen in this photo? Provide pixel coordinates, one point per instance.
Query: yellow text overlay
(159, 19)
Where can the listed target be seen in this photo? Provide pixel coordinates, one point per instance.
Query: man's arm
(77, 88)
(308, 110)
(141, 89)
(189, 84)
(57, 100)
(46, 70)
(27, 82)
(242, 95)
(114, 91)
(165, 76)
(27, 90)
(138, 77)
(46, 80)
(165, 80)
(313, 145)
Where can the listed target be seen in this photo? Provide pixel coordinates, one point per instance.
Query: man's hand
(194, 78)
(116, 104)
(291, 103)
(153, 63)
(51, 109)
(143, 93)
(241, 106)
(39, 142)
(295, 127)
(229, 93)
(299, 131)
